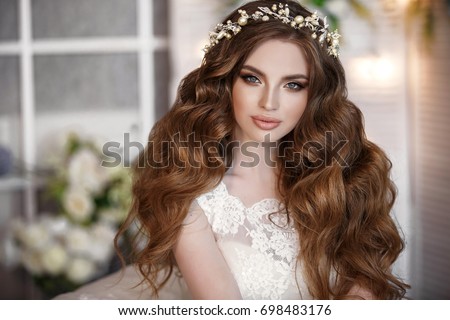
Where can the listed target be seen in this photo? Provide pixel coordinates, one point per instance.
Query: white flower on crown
(85, 171)
(281, 13)
(54, 259)
(78, 204)
(80, 270)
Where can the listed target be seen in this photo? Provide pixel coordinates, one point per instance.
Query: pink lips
(266, 123)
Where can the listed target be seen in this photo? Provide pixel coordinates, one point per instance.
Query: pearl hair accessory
(280, 12)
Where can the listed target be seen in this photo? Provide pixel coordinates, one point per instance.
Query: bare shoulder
(195, 216)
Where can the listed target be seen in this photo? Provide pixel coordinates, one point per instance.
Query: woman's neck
(255, 160)
(253, 174)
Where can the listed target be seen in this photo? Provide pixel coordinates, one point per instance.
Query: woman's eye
(250, 79)
(295, 86)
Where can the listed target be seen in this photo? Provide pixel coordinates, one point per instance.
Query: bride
(260, 183)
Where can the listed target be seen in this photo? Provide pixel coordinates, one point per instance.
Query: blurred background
(75, 75)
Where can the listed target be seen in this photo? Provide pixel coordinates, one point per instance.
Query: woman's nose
(270, 98)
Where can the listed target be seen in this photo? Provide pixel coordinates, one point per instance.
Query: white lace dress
(260, 253)
(260, 249)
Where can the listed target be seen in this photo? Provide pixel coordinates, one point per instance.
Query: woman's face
(271, 92)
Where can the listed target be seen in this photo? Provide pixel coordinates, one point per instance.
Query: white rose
(80, 270)
(101, 246)
(78, 241)
(54, 259)
(104, 232)
(58, 226)
(85, 171)
(32, 262)
(100, 252)
(78, 204)
(33, 236)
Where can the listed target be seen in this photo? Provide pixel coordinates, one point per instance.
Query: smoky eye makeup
(249, 78)
(296, 86)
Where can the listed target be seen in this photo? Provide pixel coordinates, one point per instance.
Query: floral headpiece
(280, 12)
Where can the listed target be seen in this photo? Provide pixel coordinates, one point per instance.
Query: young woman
(260, 183)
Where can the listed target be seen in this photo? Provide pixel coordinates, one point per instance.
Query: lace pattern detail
(261, 282)
(258, 243)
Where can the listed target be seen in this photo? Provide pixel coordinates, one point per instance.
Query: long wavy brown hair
(339, 202)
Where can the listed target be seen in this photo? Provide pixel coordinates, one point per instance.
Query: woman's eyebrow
(288, 77)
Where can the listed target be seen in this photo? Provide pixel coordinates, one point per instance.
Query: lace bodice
(259, 247)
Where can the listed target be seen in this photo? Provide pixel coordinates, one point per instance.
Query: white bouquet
(74, 245)
(61, 255)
